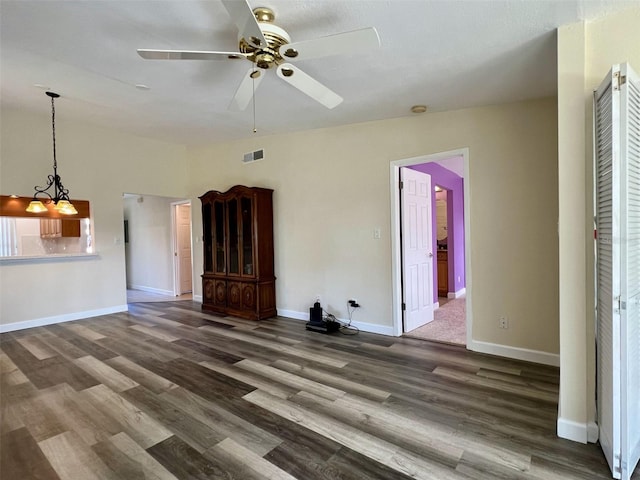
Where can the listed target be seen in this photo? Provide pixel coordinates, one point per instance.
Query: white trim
(394, 179)
(364, 327)
(458, 294)
(196, 298)
(536, 356)
(174, 248)
(174, 244)
(160, 291)
(570, 430)
(372, 328)
(53, 257)
(293, 314)
(67, 317)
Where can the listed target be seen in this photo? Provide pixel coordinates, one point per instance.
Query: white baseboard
(457, 294)
(67, 317)
(365, 327)
(197, 298)
(518, 353)
(575, 431)
(293, 314)
(142, 288)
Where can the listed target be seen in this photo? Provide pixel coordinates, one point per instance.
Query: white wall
(98, 165)
(332, 189)
(149, 252)
(585, 55)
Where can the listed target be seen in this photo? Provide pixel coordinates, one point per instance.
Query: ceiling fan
(267, 45)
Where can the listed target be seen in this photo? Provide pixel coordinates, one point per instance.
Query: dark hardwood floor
(166, 391)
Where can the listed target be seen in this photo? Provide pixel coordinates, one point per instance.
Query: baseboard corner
(574, 431)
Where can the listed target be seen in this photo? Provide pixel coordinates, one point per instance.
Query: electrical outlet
(353, 300)
(318, 298)
(503, 323)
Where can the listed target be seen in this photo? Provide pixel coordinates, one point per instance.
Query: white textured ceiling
(445, 54)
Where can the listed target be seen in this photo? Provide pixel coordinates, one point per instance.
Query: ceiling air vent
(253, 156)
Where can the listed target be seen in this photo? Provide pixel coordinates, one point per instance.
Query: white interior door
(607, 108)
(617, 168)
(417, 248)
(183, 248)
(630, 270)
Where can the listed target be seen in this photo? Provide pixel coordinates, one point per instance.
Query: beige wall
(332, 189)
(585, 55)
(96, 165)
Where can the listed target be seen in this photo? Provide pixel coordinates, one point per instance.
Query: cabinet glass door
(206, 230)
(247, 236)
(234, 241)
(218, 236)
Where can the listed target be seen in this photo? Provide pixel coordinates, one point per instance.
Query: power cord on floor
(345, 328)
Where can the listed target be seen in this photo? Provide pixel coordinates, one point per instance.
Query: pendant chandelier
(60, 195)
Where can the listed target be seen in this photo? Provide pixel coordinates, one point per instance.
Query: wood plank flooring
(167, 391)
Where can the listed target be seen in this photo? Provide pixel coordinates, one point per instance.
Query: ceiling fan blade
(245, 91)
(245, 20)
(357, 41)
(188, 55)
(308, 85)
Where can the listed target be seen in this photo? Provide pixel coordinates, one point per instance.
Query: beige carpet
(138, 296)
(449, 324)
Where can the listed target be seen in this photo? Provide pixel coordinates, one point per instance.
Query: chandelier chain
(53, 129)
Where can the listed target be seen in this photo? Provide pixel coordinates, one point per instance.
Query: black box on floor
(323, 326)
(317, 324)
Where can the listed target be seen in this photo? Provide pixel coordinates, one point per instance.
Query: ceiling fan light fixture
(418, 109)
(268, 46)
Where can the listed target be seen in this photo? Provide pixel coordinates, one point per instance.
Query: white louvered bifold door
(630, 266)
(607, 185)
(617, 197)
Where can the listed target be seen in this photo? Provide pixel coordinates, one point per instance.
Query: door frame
(174, 245)
(396, 244)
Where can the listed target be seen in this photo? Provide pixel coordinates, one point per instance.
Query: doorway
(156, 269)
(182, 265)
(453, 307)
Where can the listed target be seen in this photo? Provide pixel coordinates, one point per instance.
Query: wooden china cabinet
(238, 278)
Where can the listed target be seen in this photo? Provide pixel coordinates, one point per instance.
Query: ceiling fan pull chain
(253, 82)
